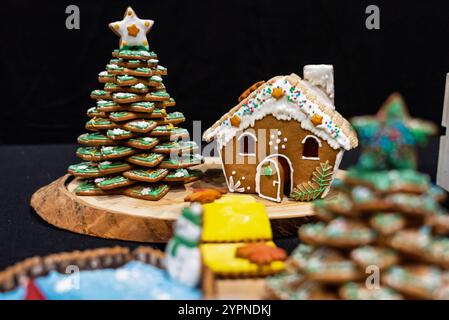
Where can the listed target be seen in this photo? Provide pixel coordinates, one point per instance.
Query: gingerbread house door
(270, 180)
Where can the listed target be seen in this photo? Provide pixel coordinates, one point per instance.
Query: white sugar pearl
(272, 136)
(279, 133)
(248, 188)
(285, 139)
(278, 140)
(243, 178)
(270, 143)
(276, 147)
(233, 172)
(283, 146)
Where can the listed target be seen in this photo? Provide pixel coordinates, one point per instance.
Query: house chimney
(322, 76)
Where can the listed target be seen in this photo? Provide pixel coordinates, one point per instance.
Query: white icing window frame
(311, 136)
(252, 135)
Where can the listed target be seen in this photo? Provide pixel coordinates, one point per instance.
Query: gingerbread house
(284, 137)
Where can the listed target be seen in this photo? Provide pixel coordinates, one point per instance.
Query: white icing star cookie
(132, 30)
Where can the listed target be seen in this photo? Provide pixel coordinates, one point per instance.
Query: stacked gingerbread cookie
(134, 145)
(385, 235)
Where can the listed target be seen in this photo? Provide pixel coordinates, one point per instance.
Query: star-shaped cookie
(132, 30)
(389, 139)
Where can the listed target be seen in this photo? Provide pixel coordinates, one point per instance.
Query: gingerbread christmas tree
(384, 236)
(134, 145)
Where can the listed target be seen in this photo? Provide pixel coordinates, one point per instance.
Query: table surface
(25, 168)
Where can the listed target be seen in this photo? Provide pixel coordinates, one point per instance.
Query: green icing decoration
(99, 121)
(119, 114)
(93, 136)
(141, 124)
(163, 128)
(143, 104)
(110, 165)
(87, 186)
(160, 93)
(125, 78)
(105, 103)
(124, 95)
(89, 151)
(113, 180)
(362, 194)
(168, 145)
(150, 190)
(139, 86)
(152, 174)
(179, 131)
(114, 67)
(391, 137)
(183, 160)
(267, 171)
(387, 219)
(99, 93)
(144, 70)
(84, 167)
(118, 132)
(175, 115)
(115, 150)
(156, 79)
(311, 190)
(151, 157)
(388, 179)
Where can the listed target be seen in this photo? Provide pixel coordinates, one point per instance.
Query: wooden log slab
(124, 218)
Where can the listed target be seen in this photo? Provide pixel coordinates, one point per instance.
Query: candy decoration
(316, 120)
(277, 93)
(311, 190)
(235, 121)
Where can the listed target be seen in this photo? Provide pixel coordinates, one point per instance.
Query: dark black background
(214, 50)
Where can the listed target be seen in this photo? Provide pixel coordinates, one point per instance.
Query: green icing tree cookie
(130, 121)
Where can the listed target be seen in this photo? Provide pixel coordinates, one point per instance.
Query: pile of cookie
(382, 237)
(134, 145)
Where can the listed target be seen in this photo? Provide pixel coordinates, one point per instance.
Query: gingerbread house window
(310, 148)
(247, 143)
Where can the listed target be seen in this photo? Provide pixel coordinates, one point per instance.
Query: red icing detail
(33, 292)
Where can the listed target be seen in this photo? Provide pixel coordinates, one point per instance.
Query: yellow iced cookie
(221, 259)
(235, 221)
(236, 199)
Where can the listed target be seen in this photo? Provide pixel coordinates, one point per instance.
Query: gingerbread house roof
(286, 98)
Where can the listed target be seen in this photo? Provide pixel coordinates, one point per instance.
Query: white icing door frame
(278, 182)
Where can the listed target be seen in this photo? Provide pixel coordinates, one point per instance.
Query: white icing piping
(257, 179)
(252, 135)
(312, 136)
(248, 134)
(278, 198)
(281, 109)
